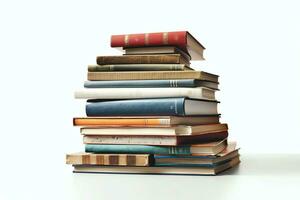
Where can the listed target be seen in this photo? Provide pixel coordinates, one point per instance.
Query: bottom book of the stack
(200, 159)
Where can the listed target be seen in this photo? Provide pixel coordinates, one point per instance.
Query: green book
(137, 67)
(209, 148)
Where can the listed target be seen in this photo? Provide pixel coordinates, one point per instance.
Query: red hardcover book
(181, 39)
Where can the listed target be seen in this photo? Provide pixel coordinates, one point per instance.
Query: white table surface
(257, 177)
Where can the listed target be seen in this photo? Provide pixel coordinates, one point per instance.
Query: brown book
(159, 170)
(155, 140)
(109, 159)
(143, 59)
(152, 75)
(156, 50)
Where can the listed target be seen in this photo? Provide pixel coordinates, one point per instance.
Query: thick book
(211, 148)
(109, 159)
(158, 170)
(205, 159)
(190, 83)
(182, 39)
(154, 140)
(143, 59)
(152, 107)
(179, 130)
(155, 50)
(137, 67)
(144, 121)
(152, 75)
(142, 93)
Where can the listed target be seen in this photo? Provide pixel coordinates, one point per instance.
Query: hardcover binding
(137, 107)
(178, 38)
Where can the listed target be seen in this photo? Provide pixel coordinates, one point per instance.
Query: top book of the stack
(180, 42)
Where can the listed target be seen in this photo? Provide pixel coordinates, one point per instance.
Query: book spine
(140, 149)
(140, 83)
(141, 59)
(137, 107)
(136, 67)
(120, 122)
(109, 159)
(178, 38)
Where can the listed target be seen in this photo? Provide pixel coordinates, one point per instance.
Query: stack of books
(149, 112)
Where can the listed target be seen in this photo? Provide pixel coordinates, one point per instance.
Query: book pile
(148, 111)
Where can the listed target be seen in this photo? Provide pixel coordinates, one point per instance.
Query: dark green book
(137, 67)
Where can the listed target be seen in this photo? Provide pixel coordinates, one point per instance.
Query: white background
(46, 46)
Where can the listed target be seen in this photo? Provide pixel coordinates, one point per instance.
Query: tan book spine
(152, 75)
(108, 159)
(142, 59)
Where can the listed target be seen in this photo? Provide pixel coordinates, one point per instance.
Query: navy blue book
(150, 83)
(152, 107)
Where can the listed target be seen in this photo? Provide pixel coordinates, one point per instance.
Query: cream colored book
(180, 130)
(141, 93)
(154, 139)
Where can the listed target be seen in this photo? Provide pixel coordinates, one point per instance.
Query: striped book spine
(109, 159)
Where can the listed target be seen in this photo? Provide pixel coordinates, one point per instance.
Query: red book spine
(178, 39)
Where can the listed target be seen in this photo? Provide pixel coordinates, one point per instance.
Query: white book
(141, 93)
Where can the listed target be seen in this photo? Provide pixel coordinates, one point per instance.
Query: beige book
(154, 139)
(152, 75)
(141, 93)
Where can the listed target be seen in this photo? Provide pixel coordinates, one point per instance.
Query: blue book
(151, 83)
(203, 164)
(204, 160)
(152, 107)
(146, 149)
